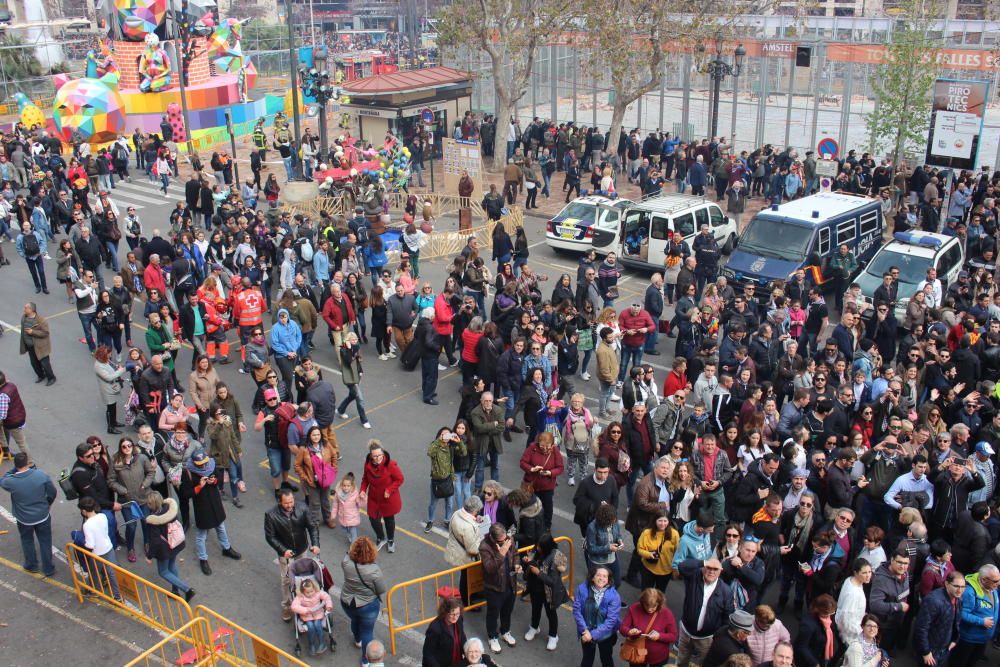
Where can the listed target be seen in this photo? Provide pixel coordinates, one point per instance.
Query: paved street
(247, 591)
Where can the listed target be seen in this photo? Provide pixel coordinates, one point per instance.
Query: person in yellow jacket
(656, 547)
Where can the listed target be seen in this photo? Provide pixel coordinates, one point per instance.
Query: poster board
(458, 155)
(957, 117)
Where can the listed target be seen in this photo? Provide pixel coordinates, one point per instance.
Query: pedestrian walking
(209, 512)
(316, 468)
(362, 590)
(380, 490)
(31, 495)
(36, 343)
(351, 372)
(31, 246)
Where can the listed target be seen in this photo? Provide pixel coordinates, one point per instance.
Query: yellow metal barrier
(235, 645)
(157, 607)
(419, 606)
(188, 645)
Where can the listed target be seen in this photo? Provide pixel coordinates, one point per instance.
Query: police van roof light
(918, 239)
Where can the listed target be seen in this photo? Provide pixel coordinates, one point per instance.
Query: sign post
(828, 148)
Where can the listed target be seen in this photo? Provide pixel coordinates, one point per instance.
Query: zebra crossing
(141, 193)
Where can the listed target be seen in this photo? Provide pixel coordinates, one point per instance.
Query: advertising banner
(957, 118)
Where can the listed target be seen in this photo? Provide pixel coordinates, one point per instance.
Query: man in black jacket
(88, 479)
(756, 485)
(971, 538)
(695, 629)
(289, 532)
(88, 249)
(594, 491)
(731, 639)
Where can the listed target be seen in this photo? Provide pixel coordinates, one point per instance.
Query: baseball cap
(985, 448)
(199, 455)
(555, 403)
(270, 393)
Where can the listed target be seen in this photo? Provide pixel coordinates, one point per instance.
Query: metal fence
(828, 99)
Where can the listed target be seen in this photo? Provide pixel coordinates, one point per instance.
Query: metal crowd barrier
(420, 601)
(188, 645)
(237, 646)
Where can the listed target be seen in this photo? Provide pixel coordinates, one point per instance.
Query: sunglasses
(732, 534)
(805, 505)
(615, 432)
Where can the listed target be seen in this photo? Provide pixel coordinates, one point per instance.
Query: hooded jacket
(977, 606)
(285, 338)
(157, 545)
(693, 545)
(886, 594)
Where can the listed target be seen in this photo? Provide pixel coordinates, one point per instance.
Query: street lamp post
(718, 69)
(316, 84)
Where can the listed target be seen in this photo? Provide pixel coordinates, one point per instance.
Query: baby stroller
(312, 569)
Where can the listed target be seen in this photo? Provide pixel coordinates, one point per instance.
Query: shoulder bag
(633, 651)
(365, 583)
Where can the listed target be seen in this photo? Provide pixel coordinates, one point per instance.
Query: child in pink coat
(346, 507)
(311, 604)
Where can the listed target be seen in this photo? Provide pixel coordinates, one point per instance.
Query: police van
(912, 253)
(640, 240)
(574, 226)
(804, 233)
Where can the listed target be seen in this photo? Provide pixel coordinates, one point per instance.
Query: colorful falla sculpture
(28, 112)
(92, 107)
(154, 66)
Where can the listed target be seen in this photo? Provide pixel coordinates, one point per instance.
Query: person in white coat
(464, 535)
(852, 604)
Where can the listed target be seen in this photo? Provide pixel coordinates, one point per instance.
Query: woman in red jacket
(542, 463)
(470, 352)
(652, 619)
(380, 489)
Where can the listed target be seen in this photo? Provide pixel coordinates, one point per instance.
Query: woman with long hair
(110, 321)
(596, 610)
(684, 492)
(656, 546)
(350, 364)
(131, 476)
(110, 383)
(380, 328)
(543, 570)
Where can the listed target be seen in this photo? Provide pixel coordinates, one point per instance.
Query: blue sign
(828, 146)
(426, 116)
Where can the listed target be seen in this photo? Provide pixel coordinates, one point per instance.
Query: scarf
(800, 531)
(180, 447)
(827, 623)
(869, 650)
(205, 470)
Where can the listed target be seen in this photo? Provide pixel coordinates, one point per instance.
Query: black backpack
(362, 235)
(30, 245)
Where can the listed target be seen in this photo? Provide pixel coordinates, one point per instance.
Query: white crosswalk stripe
(141, 193)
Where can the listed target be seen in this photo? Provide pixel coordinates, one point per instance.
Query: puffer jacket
(285, 338)
(464, 538)
(132, 481)
(530, 524)
(977, 606)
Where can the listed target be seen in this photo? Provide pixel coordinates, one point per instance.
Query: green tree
(17, 60)
(510, 33)
(903, 84)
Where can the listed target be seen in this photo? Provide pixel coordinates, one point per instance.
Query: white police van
(912, 253)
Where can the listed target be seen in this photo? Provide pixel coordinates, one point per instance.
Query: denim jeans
(428, 377)
(133, 514)
(493, 461)
(363, 623)
(681, 185)
(235, 475)
(354, 394)
(463, 488)
(289, 172)
(513, 394)
(167, 570)
(112, 247)
(602, 404)
(547, 182)
(307, 337)
(418, 173)
(651, 339)
(43, 531)
(278, 461)
(352, 533)
(89, 321)
(628, 351)
(165, 182)
(449, 505)
(36, 268)
(101, 577)
(201, 536)
(587, 355)
(316, 631)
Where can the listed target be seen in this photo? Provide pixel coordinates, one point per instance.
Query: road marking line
(65, 614)
(5, 513)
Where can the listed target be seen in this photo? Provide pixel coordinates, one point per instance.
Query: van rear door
(606, 233)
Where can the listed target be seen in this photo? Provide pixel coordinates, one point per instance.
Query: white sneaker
(572, 481)
(367, 425)
(381, 544)
(615, 397)
(442, 367)
(585, 376)
(383, 357)
(552, 644)
(530, 634)
(495, 645)
(509, 638)
(343, 415)
(391, 354)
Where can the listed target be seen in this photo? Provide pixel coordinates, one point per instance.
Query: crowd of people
(843, 475)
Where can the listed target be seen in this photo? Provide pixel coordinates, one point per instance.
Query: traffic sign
(426, 116)
(828, 146)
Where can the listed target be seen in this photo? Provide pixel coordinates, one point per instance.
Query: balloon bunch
(394, 167)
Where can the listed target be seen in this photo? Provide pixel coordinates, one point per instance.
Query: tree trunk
(504, 109)
(617, 119)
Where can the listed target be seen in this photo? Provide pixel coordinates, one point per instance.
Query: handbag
(365, 583)
(633, 651)
(443, 488)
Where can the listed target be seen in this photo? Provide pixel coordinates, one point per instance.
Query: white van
(640, 239)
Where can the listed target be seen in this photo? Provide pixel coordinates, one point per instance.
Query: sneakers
(615, 397)
(572, 481)
(392, 547)
(585, 376)
(552, 644)
(530, 634)
(509, 638)
(428, 526)
(367, 425)
(380, 545)
(495, 645)
(442, 367)
(391, 355)
(383, 357)
(455, 363)
(343, 415)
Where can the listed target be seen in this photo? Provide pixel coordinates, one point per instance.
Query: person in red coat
(152, 275)
(444, 318)
(542, 463)
(338, 313)
(380, 490)
(652, 619)
(676, 378)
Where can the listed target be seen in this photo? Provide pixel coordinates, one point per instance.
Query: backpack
(624, 461)
(30, 245)
(580, 440)
(286, 415)
(66, 484)
(304, 250)
(175, 534)
(362, 235)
